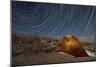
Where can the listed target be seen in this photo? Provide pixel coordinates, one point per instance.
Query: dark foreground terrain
(35, 50)
(47, 58)
(29, 57)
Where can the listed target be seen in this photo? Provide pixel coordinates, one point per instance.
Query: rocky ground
(36, 50)
(47, 58)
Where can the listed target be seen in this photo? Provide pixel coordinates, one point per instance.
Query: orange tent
(71, 45)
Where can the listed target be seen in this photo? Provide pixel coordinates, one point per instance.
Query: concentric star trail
(53, 19)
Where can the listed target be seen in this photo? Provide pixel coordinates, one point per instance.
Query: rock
(71, 45)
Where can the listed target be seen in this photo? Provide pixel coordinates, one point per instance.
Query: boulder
(71, 45)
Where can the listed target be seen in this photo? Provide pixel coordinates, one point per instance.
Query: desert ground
(47, 58)
(37, 50)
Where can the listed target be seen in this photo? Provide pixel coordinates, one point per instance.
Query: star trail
(54, 20)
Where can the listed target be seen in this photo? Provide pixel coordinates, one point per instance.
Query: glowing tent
(71, 45)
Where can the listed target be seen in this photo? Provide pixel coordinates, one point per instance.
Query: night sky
(54, 20)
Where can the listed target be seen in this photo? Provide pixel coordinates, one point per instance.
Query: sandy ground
(47, 58)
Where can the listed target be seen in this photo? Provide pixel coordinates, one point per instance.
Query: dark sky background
(54, 20)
